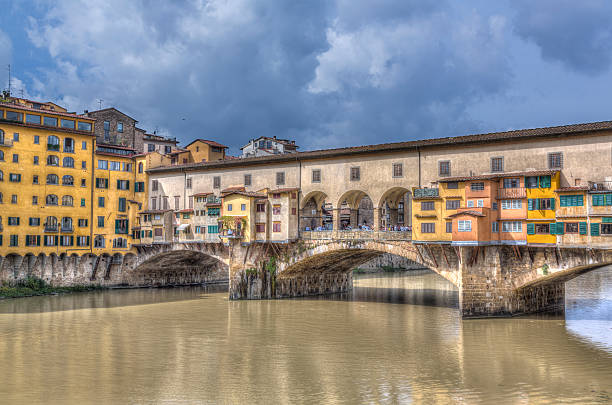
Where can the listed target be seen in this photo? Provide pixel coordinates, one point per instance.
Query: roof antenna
(9, 77)
(100, 102)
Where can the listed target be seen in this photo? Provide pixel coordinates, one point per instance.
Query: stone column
(336, 219)
(376, 219)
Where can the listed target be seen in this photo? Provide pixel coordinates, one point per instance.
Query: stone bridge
(491, 280)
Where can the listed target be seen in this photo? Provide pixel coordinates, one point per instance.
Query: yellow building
(428, 223)
(542, 202)
(46, 167)
(238, 213)
(453, 198)
(200, 150)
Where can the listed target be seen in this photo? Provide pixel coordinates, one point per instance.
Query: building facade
(266, 146)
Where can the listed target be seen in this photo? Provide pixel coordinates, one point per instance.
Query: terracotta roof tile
(498, 175)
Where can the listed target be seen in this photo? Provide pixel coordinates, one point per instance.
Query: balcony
(66, 228)
(506, 193)
(426, 193)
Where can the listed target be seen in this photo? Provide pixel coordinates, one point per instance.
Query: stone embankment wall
(391, 261)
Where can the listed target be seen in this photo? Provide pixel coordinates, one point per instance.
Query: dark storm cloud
(575, 33)
(324, 73)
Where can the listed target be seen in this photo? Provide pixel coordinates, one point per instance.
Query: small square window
(398, 170)
(497, 164)
(280, 178)
(16, 137)
(84, 145)
(35, 160)
(316, 176)
(444, 168)
(36, 139)
(247, 179)
(555, 160)
(355, 174)
(15, 158)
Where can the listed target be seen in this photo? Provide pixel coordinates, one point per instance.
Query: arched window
(52, 179)
(51, 224)
(140, 167)
(68, 162)
(51, 199)
(67, 200)
(1, 176)
(1, 154)
(52, 160)
(99, 241)
(66, 224)
(53, 143)
(68, 180)
(68, 145)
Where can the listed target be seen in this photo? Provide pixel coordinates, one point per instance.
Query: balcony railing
(357, 235)
(519, 192)
(6, 142)
(426, 192)
(66, 228)
(51, 228)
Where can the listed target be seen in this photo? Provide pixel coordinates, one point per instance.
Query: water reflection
(179, 348)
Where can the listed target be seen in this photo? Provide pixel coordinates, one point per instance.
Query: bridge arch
(341, 256)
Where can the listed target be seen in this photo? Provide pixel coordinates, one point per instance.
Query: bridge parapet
(356, 235)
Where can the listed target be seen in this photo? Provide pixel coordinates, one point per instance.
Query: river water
(398, 338)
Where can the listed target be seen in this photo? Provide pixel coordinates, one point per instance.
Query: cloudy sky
(326, 73)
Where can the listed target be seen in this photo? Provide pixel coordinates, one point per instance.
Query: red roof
(45, 112)
(572, 188)
(202, 194)
(185, 211)
(471, 213)
(499, 175)
(283, 190)
(232, 189)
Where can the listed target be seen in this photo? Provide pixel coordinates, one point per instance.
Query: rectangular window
(83, 183)
(470, 203)
(15, 158)
(261, 207)
(428, 227)
(229, 207)
(398, 170)
(121, 226)
(213, 228)
(247, 179)
(449, 227)
(122, 205)
(512, 183)
(571, 227)
(217, 182)
(69, 124)
(280, 178)
(479, 203)
(13, 221)
(123, 184)
(511, 204)
(355, 174)
(242, 207)
(16, 137)
(14, 241)
(479, 186)
(139, 187)
(36, 139)
(444, 168)
(453, 185)
(33, 119)
(34, 221)
(495, 227)
(34, 200)
(34, 179)
(177, 202)
(555, 160)
(82, 223)
(15, 178)
(531, 182)
(512, 226)
(316, 175)
(188, 183)
(83, 165)
(84, 145)
(50, 121)
(541, 229)
(115, 166)
(464, 226)
(276, 227)
(276, 196)
(103, 164)
(497, 164)
(101, 183)
(427, 206)
(452, 204)
(260, 228)
(120, 127)
(154, 185)
(101, 202)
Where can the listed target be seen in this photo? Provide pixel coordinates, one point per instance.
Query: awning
(182, 227)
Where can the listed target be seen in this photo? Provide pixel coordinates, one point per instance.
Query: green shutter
(582, 228)
(594, 229)
(597, 200)
(552, 203)
(530, 204)
(544, 181)
(530, 229)
(608, 198)
(560, 228)
(536, 203)
(552, 228)
(580, 201)
(607, 220)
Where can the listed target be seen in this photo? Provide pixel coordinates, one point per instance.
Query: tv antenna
(9, 77)
(100, 103)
